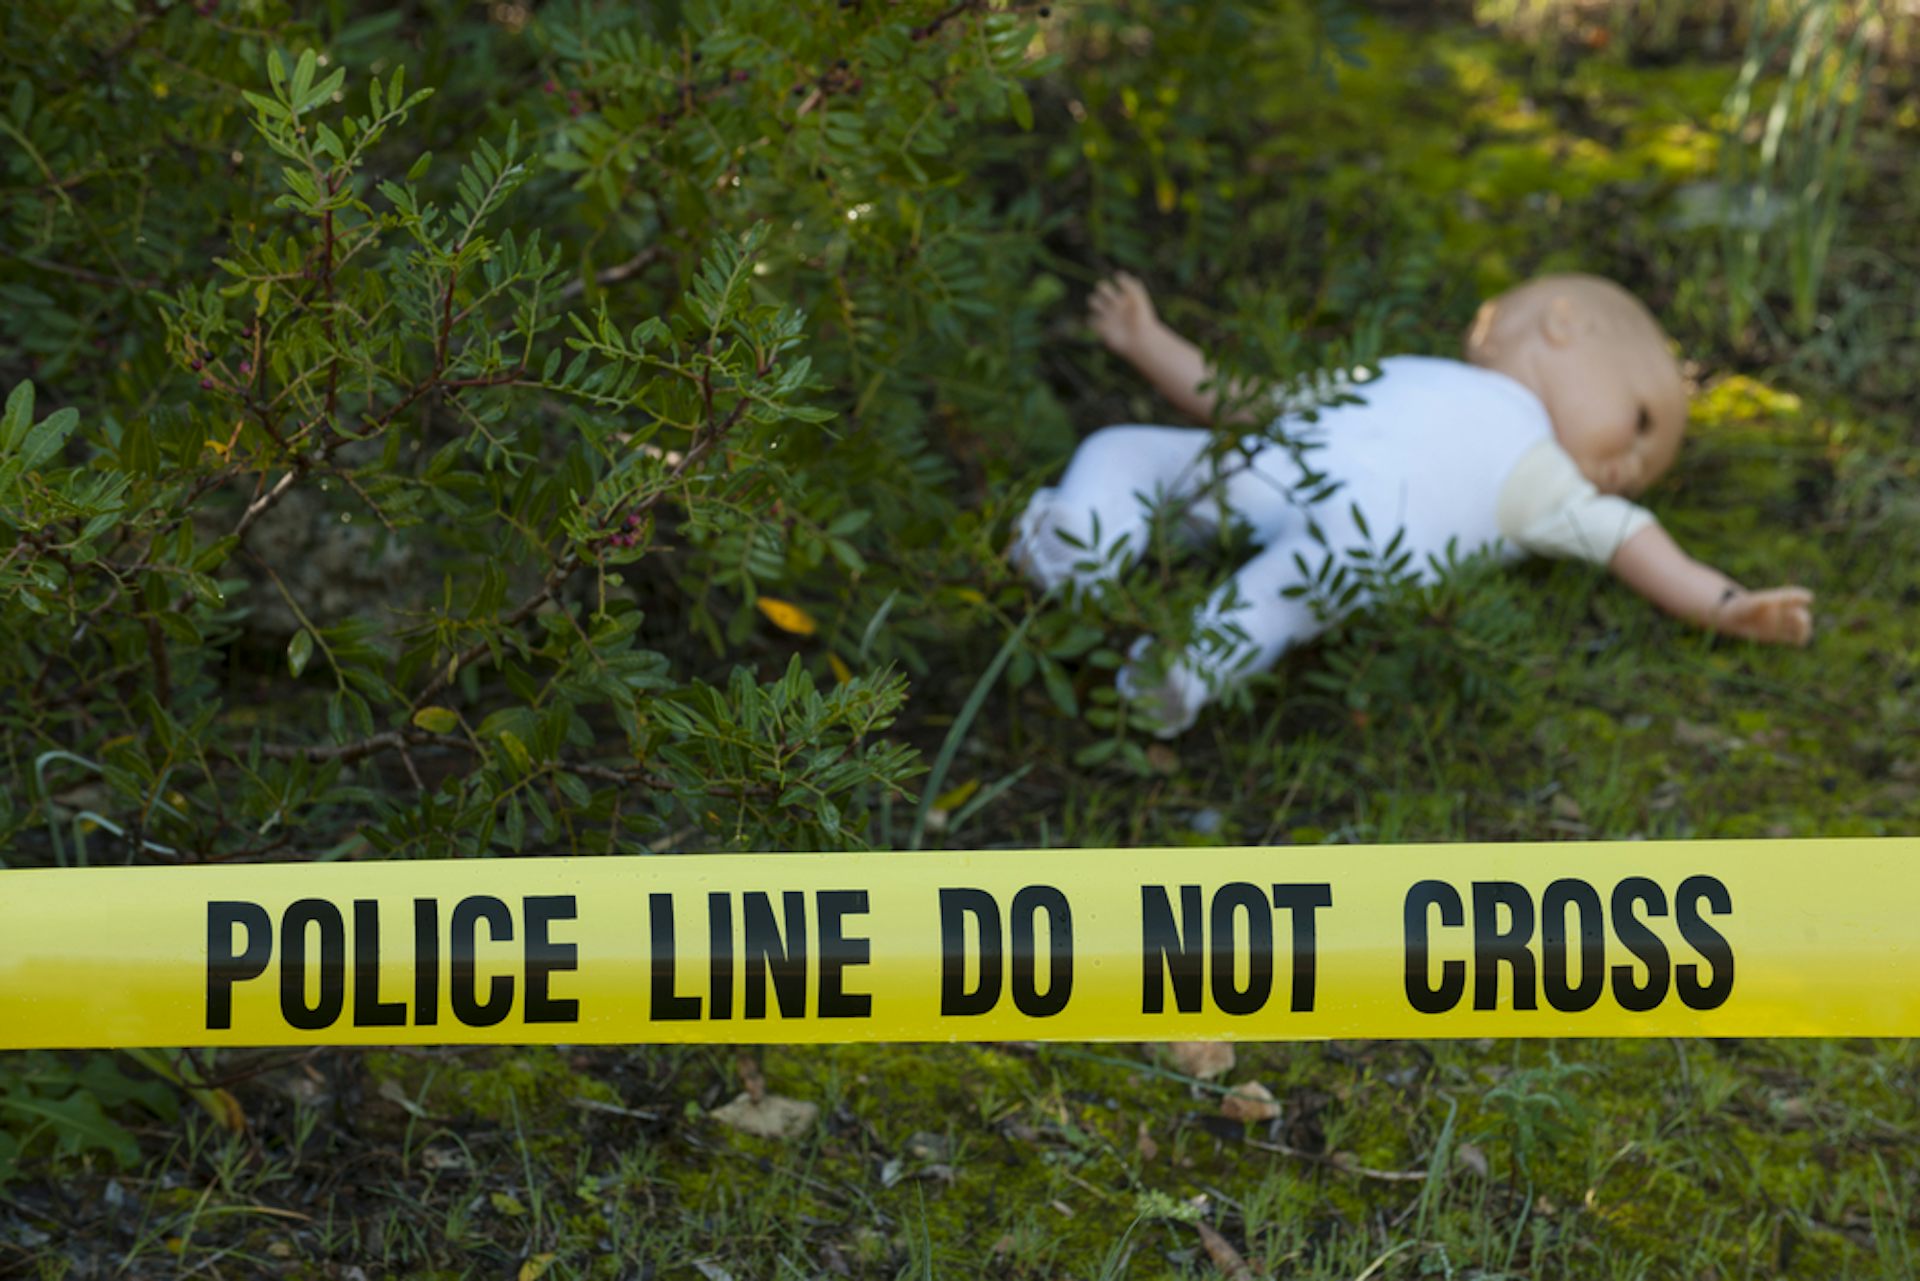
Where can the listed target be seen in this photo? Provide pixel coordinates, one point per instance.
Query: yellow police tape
(1719, 938)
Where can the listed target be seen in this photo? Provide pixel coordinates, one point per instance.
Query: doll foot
(1173, 702)
(1037, 549)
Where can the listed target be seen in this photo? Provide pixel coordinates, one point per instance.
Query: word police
(1236, 948)
(313, 944)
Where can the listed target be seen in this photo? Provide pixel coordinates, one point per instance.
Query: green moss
(532, 1090)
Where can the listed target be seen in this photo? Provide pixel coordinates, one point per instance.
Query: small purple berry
(206, 384)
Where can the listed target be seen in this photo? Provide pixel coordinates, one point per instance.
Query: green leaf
(323, 91)
(516, 749)
(302, 79)
(265, 106)
(299, 650)
(1022, 108)
(77, 1124)
(419, 167)
(19, 416)
(436, 720)
(48, 436)
(576, 791)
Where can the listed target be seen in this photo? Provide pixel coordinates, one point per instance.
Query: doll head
(1600, 364)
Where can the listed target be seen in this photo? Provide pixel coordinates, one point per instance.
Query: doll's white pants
(1118, 478)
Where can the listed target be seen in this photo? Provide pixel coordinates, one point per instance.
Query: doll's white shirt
(1458, 457)
(1549, 508)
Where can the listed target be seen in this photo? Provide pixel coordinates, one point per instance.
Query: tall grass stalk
(1783, 189)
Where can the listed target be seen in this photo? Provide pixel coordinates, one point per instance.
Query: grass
(1539, 702)
(1615, 1159)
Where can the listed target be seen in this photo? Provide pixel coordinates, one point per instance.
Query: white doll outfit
(1454, 457)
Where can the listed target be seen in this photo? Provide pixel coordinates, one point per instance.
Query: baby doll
(1568, 403)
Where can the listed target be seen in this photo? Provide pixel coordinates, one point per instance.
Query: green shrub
(560, 431)
(441, 504)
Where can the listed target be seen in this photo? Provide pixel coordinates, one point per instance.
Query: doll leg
(1251, 623)
(1118, 476)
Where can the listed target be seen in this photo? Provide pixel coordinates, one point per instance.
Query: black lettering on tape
(1642, 942)
(325, 1011)
(1302, 901)
(1028, 903)
(1229, 901)
(225, 967)
(1567, 892)
(956, 905)
(837, 952)
(1495, 945)
(546, 957)
(426, 962)
(720, 954)
(463, 961)
(1171, 955)
(770, 956)
(368, 1009)
(1179, 954)
(1422, 994)
(1710, 943)
(667, 1005)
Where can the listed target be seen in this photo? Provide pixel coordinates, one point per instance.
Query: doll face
(1600, 365)
(1618, 406)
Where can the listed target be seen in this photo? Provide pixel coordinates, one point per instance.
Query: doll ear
(1480, 337)
(1560, 324)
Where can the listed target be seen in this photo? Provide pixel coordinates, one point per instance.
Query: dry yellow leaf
(954, 798)
(769, 1117)
(841, 672)
(225, 1108)
(787, 617)
(1249, 1101)
(1226, 1259)
(1202, 1059)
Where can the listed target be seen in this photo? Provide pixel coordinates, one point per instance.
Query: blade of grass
(936, 778)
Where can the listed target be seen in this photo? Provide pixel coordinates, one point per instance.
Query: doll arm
(1122, 314)
(1652, 564)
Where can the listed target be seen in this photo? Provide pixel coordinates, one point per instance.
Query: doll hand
(1121, 313)
(1169, 704)
(1781, 616)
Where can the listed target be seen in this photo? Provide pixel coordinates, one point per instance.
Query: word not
(1206, 946)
